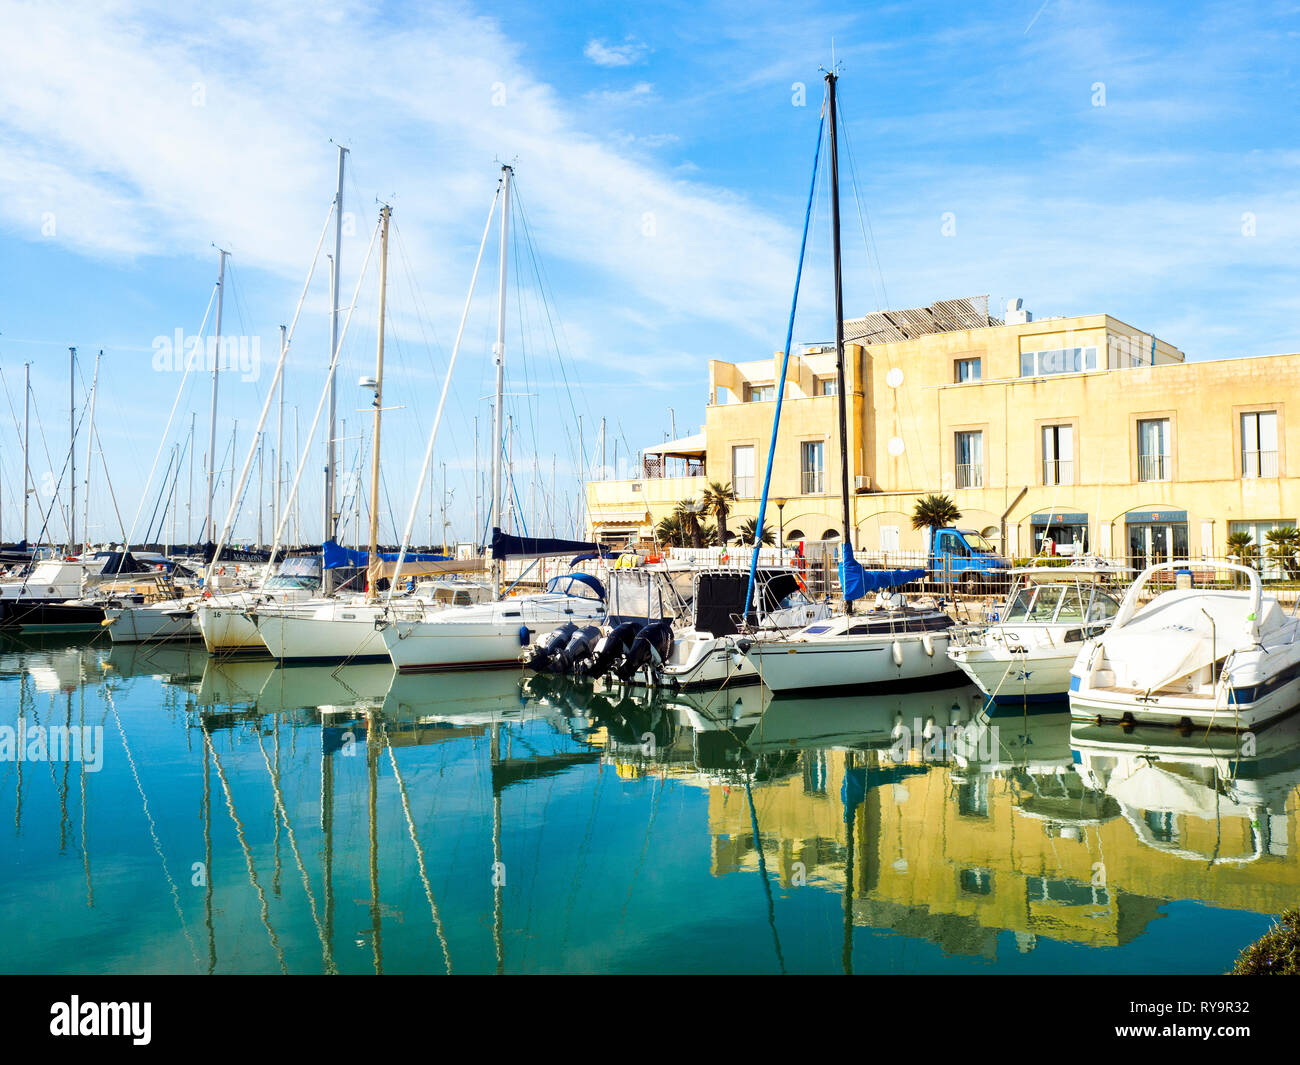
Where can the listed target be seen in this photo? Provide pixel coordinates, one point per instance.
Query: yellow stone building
(1083, 430)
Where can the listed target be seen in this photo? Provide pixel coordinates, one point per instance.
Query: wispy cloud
(604, 54)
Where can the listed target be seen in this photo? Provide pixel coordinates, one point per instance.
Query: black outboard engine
(577, 650)
(651, 646)
(611, 647)
(543, 655)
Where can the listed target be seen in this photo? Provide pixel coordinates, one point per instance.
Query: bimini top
(582, 585)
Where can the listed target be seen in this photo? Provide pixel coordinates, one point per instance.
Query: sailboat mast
(90, 441)
(334, 343)
(207, 531)
(384, 214)
(72, 450)
(499, 357)
(831, 79)
(278, 456)
(27, 436)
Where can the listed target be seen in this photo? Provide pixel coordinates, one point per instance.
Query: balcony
(1153, 467)
(1058, 471)
(970, 475)
(1259, 464)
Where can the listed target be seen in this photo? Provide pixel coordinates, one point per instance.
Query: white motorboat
(343, 629)
(1209, 657)
(487, 635)
(1026, 655)
(891, 644)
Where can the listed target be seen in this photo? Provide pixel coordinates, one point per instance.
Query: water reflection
(254, 817)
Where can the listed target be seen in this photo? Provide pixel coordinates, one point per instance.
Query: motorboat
(487, 635)
(1200, 654)
(892, 643)
(1026, 654)
(49, 598)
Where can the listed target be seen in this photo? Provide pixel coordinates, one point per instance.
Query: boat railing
(1152, 574)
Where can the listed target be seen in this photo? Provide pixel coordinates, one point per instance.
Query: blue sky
(1092, 158)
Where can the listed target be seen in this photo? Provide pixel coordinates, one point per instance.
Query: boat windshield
(284, 580)
(1071, 608)
(1038, 603)
(1102, 607)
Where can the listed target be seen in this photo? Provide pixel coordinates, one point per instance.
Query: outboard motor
(611, 647)
(543, 655)
(651, 646)
(578, 649)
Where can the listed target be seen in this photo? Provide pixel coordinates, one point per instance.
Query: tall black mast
(831, 79)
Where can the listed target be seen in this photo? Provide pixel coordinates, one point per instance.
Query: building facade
(1065, 434)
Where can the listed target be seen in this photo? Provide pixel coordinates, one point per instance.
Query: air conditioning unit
(862, 483)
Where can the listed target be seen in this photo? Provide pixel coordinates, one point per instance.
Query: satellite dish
(894, 378)
(895, 446)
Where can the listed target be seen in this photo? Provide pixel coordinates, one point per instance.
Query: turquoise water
(247, 818)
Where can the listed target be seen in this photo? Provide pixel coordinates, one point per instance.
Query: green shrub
(1276, 953)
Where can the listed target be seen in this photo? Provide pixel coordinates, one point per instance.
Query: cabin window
(1153, 449)
(970, 460)
(1259, 444)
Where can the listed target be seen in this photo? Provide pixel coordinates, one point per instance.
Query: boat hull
(38, 615)
(229, 630)
(850, 663)
(141, 624)
(1014, 679)
(299, 639)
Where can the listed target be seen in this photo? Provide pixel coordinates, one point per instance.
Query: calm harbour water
(250, 818)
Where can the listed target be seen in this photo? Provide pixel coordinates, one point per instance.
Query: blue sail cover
(857, 581)
(336, 556)
(505, 546)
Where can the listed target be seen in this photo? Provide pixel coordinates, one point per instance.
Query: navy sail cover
(337, 556)
(857, 581)
(506, 546)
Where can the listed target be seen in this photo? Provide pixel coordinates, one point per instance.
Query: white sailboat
(487, 634)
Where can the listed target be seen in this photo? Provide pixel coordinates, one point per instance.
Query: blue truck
(966, 559)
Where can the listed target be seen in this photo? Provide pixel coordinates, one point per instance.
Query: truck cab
(967, 558)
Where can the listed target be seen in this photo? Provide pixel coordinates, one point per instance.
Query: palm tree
(935, 512)
(687, 512)
(747, 532)
(1284, 543)
(1242, 544)
(669, 532)
(718, 499)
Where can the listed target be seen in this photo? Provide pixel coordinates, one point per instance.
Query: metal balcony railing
(1153, 467)
(814, 482)
(1259, 463)
(1058, 471)
(970, 475)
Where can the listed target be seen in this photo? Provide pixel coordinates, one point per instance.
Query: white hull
(483, 636)
(228, 629)
(332, 634)
(155, 622)
(699, 660)
(807, 663)
(1038, 675)
(1101, 705)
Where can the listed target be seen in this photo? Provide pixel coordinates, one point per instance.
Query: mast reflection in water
(248, 817)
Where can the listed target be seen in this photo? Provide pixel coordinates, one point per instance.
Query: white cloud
(630, 52)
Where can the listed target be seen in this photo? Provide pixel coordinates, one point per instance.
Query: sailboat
(893, 643)
(492, 634)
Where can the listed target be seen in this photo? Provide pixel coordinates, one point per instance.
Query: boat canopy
(582, 585)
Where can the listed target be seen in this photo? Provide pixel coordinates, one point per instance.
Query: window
(826, 386)
(966, 370)
(1153, 450)
(811, 466)
(1058, 454)
(1259, 553)
(970, 460)
(1259, 444)
(760, 393)
(1057, 360)
(742, 471)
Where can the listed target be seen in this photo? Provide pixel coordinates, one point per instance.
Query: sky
(1085, 157)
